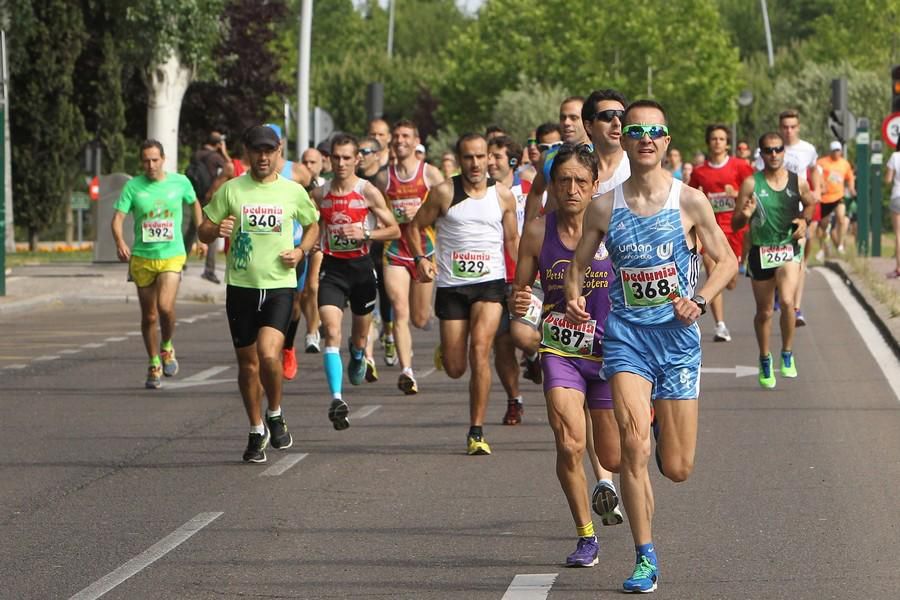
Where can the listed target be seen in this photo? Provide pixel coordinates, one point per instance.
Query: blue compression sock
(334, 370)
(645, 550)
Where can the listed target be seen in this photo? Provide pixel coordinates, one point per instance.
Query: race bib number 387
(261, 218)
(156, 231)
(650, 286)
(567, 337)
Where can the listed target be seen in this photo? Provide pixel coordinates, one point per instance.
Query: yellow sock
(585, 530)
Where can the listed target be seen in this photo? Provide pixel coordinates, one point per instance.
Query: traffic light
(839, 118)
(895, 89)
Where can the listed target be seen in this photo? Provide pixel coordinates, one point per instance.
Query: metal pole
(862, 187)
(3, 159)
(390, 46)
(875, 197)
(303, 56)
(287, 129)
(765, 13)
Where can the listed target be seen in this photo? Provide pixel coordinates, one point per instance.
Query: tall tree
(46, 125)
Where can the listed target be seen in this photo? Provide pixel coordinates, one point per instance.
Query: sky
(470, 6)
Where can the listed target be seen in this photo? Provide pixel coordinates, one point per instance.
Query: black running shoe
(338, 414)
(256, 447)
(280, 436)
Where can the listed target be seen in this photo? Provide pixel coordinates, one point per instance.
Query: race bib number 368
(261, 218)
(567, 337)
(650, 286)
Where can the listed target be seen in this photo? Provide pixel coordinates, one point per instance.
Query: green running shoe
(766, 375)
(788, 365)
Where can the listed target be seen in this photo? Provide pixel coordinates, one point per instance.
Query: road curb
(877, 312)
(74, 299)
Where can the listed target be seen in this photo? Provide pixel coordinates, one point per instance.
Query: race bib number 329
(261, 218)
(471, 265)
(650, 286)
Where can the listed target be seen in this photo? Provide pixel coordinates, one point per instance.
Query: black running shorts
(455, 303)
(250, 309)
(348, 279)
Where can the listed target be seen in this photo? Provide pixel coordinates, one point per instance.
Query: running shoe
(312, 343)
(531, 369)
(356, 369)
(371, 371)
(514, 411)
(643, 579)
(407, 384)
(800, 319)
(339, 414)
(289, 363)
(820, 255)
(154, 375)
(722, 333)
(256, 447)
(438, 358)
(586, 553)
(390, 352)
(280, 436)
(169, 362)
(788, 366)
(605, 502)
(210, 276)
(766, 375)
(476, 446)
(841, 250)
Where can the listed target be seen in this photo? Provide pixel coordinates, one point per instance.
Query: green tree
(47, 128)
(862, 32)
(531, 103)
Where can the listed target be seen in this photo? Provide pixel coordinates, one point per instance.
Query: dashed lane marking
(283, 465)
(530, 586)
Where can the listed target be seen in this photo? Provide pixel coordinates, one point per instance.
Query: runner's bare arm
(389, 229)
(807, 198)
(197, 215)
(122, 249)
(744, 205)
(510, 224)
(526, 265)
(381, 181)
(593, 230)
(535, 194)
(427, 214)
(301, 174)
(433, 176)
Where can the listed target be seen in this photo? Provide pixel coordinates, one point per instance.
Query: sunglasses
(772, 150)
(551, 146)
(637, 132)
(608, 115)
(367, 151)
(531, 142)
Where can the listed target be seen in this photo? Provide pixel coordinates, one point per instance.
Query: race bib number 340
(471, 265)
(771, 257)
(261, 218)
(650, 286)
(156, 231)
(567, 337)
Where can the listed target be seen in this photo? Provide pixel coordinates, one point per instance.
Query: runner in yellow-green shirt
(155, 201)
(257, 212)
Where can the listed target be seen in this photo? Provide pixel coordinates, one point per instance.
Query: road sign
(81, 201)
(890, 129)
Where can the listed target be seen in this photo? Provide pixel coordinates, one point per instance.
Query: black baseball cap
(261, 137)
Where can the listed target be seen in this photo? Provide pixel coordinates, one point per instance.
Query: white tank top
(620, 175)
(470, 239)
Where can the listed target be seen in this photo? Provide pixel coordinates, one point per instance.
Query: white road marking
(366, 411)
(45, 358)
(530, 587)
(148, 557)
(870, 334)
(15, 367)
(206, 374)
(70, 351)
(737, 371)
(283, 465)
(133, 333)
(191, 320)
(175, 385)
(92, 345)
(425, 374)
(115, 339)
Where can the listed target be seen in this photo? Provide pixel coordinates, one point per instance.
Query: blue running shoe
(356, 368)
(585, 554)
(643, 579)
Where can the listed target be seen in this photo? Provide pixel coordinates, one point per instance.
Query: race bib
(568, 338)
(533, 315)
(399, 206)
(721, 202)
(650, 286)
(156, 231)
(261, 218)
(339, 243)
(772, 257)
(471, 265)
(835, 177)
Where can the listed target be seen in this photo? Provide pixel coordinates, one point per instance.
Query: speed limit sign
(890, 129)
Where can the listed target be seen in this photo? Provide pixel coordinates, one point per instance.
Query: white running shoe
(722, 334)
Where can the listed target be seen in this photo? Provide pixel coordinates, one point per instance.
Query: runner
(257, 212)
(769, 202)
(381, 131)
(571, 360)
(405, 185)
(314, 161)
(836, 173)
(720, 178)
(651, 343)
(348, 274)
(154, 200)
(476, 222)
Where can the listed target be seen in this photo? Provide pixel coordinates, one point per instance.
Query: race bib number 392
(650, 286)
(261, 218)
(156, 231)
(567, 337)
(772, 257)
(471, 265)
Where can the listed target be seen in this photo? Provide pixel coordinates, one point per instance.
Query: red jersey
(401, 194)
(713, 179)
(337, 210)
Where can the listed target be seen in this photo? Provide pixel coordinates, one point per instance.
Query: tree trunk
(166, 85)
(32, 239)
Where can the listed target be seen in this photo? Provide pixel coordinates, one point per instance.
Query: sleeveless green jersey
(771, 222)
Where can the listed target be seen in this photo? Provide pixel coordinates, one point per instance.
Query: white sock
(720, 323)
(337, 396)
(408, 371)
(273, 413)
(516, 399)
(260, 429)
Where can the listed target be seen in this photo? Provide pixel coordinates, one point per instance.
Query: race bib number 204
(650, 286)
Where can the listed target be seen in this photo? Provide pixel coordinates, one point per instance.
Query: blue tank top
(551, 156)
(651, 259)
(287, 171)
(553, 261)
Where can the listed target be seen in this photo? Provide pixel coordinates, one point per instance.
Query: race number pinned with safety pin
(650, 286)
(261, 218)
(569, 338)
(157, 231)
(772, 257)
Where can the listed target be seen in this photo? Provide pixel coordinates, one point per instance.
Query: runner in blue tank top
(651, 345)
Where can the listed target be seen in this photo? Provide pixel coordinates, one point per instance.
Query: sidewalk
(70, 284)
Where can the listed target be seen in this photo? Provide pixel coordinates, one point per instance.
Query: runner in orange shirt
(837, 173)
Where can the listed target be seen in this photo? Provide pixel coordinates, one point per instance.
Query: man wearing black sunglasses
(602, 115)
(651, 344)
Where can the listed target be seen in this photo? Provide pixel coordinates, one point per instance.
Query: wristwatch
(367, 233)
(417, 258)
(700, 301)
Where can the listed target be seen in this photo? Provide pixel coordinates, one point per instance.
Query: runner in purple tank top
(570, 354)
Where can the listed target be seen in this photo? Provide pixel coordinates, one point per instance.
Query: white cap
(420, 148)
(836, 145)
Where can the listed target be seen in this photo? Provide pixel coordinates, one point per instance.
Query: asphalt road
(107, 486)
